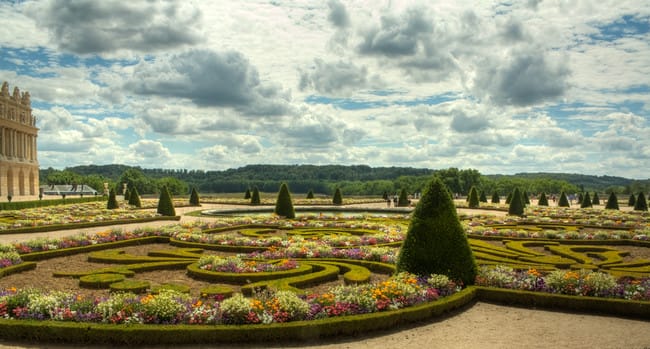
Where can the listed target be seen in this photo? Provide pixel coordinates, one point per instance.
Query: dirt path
(481, 325)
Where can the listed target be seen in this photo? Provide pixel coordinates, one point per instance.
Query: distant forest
(353, 180)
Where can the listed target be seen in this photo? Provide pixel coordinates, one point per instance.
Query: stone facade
(18, 132)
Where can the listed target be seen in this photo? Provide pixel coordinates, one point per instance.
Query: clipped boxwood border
(68, 226)
(17, 268)
(41, 255)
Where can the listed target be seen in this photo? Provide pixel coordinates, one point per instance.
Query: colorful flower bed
(238, 265)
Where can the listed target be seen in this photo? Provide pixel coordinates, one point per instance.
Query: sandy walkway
(481, 325)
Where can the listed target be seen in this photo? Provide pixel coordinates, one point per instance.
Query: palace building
(18, 132)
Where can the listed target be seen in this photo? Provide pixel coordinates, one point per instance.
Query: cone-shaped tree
(508, 198)
(385, 195)
(525, 197)
(310, 194)
(435, 242)
(632, 200)
(337, 199)
(247, 194)
(580, 198)
(255, 197)
(586, 201)
(127, 194)
(482, 197)
(496, 199)
(595, 200)
(284, 205)
(516, 207)
(543, 200)
(612, 202)
(564, 201)
(194, 198)
(112, 200)
(134, 198)
(403, 200)
(641, 204)
(165, 203)
(473, 198)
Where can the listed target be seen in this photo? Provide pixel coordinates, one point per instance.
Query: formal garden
(305, 268)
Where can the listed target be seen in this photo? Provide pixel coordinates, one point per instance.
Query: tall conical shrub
(337, 199)
(640, 204)
(255, 197)
(543, 200)
(482, 197)
(283, 204)
(586, 201)
(581, 197)
(632, 201)
(165, 203)
(516, 207)
(564, 201)
(310, 194)
(496, 199)
(435, 242)
(194, 198)
(595, 200)
(134, 198)
(403, 200)
(112, 200)
(525, 198)
(385, 195)
(127, 194)
(247, 194)
(508, 198)
(612, 202)
(473, 198)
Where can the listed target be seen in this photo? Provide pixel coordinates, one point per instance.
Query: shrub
(495, 198)
(403, 200)
(508, 198)
(112, 200)
(612, 202)
(127, 194)
(564, 201)
(596, 199)
(337, 199)
(482, 197)
(632, 200)
(640, 204)
(586, 201)
(543, 200)
(525, 198)
(473, 198)
(194, 198)
(134, 198)
(435, 242)
(310, 194)
(516, 207)
(283, 205)
(255, 197)
(247, 195)
(165, 204)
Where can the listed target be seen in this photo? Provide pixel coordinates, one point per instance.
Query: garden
(255, 276)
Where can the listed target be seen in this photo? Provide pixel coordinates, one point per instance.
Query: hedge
(68, 226)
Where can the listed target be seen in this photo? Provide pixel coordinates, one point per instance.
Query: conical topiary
(595, 200)
(194, 198)
(247, 194)
(564, 201)
(516, 207)
(337, 199)
(508, 198)
(482, 197)
(543, 200)
(284, 205)
(496, 199)
(165, 203)
(127, 194)
(580, 198)
(640, 204)
(435, 242)
(612, 202)
(403, 200)
(385, 195)
(255, 197)
(310, 194)
(632, 200)
(112, 200)
(134, 198)
(525, 198)
(586, 201)
(473, 198)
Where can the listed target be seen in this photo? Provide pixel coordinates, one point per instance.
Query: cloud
(337, 78)
(522, 78)
(152, 150)
(97, 27)
(209, 79)
(397, 36)
(338, 15)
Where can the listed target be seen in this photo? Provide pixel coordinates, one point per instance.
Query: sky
(503, 87)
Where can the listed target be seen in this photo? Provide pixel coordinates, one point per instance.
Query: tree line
(352, 180)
